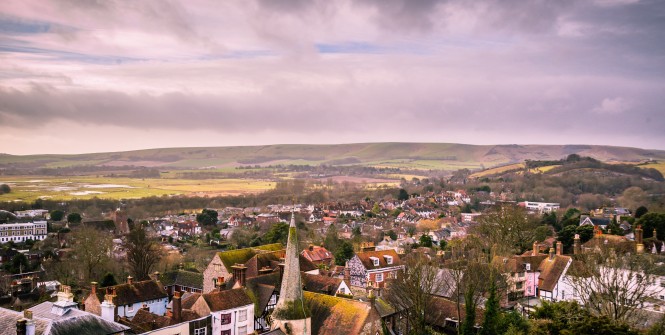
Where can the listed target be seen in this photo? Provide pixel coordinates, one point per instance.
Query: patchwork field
(497, 170)
(32, 188)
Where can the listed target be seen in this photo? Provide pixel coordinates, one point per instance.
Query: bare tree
(613, 285)
(143, 254)
(92, 250)
(412, 291)
(508, 229)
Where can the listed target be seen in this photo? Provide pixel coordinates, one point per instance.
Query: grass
(67, 188)
(497, 170)
(660, 166)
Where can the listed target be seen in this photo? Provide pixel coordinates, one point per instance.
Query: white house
(232, 310)
(21, 232)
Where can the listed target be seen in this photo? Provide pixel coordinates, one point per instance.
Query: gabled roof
(317, 254)
(365, 258)
(320, 284)
(182, 278)
(551, 270)
(127, 294)
(332, 314)
(225, 300)
(241, 256)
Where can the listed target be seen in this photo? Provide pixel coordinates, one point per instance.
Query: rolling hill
(422, 156)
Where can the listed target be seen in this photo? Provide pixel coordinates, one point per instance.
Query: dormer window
(375, 261)
(389, 259)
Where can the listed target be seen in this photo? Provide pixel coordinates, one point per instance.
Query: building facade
(21, 232)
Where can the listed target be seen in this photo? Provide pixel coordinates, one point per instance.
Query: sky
(91, 76)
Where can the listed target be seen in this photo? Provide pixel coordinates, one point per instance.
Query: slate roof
(182, 278)
(551, 270)
(517, 263)
(72, 322)
(367, 262)
(127, 294)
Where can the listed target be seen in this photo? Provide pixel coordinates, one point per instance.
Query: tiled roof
(443, 308)
(317, 254)
(127, 294)
(320, 284)
(229, 299)
(8, 320)
(182, 278)
(551, 270)
(144, 321)
(368, 263)
(332, 314)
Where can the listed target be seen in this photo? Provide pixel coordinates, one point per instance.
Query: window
(521, 274)
(563, 294)
(201, 331)
(389, 259)
(217, 267)
(242, 330)
(225, 318)
(130, 308)
(379, 277)
(273, 299)
(226, 332)
(519, 285)
(242, 315)
(375, 261)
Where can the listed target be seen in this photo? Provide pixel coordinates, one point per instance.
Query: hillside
(421, 156)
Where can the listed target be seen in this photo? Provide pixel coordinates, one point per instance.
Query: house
(178, 321)
(372, 268)
(540, 207)
(325, 285)
(551, 281)
(181, 281)
(189, 228)
(586, 220)
(219, 267)
(56, 318)
(521, 272)
(129, 297)
(318, 255)
(21, 232)
(232, 310)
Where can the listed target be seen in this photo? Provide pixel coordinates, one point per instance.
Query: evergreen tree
(470, 317)
(492, 312)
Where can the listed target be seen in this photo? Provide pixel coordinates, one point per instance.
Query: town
(447, 262)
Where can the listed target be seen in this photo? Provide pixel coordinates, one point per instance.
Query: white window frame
(378, 277)
(242, 330)
(389, 259)
(375, 261)
(242, 315)
(201, 331)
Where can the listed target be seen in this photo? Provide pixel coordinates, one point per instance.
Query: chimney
(130, 280)
(559, 248)
(29, 324)
(21, 327)
(65, 294)
(639, 240)
(93, 288)
(311, 247)
(177, 307)
(551, 253)
(577, 246)
(239, 272)
(108, 308)
(347, 273)
(535, 249)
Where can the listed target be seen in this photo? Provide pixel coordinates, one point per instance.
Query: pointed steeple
(291, 290)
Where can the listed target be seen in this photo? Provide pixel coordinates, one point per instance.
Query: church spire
(291, 289)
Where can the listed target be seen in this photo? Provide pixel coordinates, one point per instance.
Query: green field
(66, 188)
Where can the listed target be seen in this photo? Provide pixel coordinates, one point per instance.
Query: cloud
(612, 106)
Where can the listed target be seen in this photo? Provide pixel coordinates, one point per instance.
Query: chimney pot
(551, 253)
(93, 288)
(130, 280)
(535, 249)
(559, 248)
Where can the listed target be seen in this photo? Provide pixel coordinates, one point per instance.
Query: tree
(142, 253)
(633, 197)
(108, 280)
(403, 194)
(425, 240)
(392, 234)
(4, 188)
(640, 211)
(278, 233)
(468, 326)
(91, 249)
(57, 215)
(567, 317)
(332, 241)
(492, 311)
(74, 218)
(412, 291)
(18, 263)
(343, 253)
(613, 285)
(376, 209)
(207, 217)
(651, 221)
(509, 228)
(356, 231)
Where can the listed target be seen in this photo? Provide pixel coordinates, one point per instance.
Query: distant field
(660, 166)
(543, 169)
(32, 188)
(497, 170)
